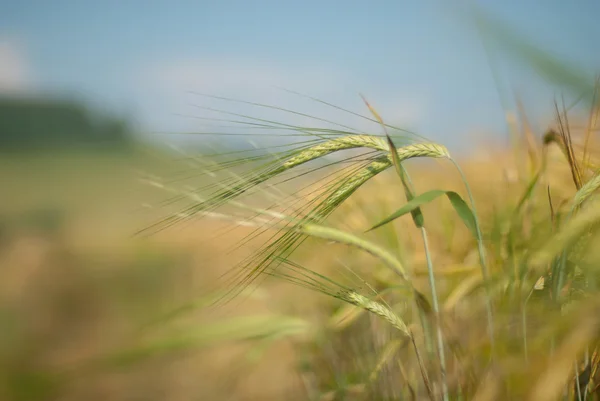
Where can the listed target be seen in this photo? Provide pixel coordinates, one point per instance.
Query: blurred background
(98, 99)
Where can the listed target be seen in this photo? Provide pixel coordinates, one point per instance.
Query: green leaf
(460, 206)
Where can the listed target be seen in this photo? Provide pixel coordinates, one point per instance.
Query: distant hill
(40, 124)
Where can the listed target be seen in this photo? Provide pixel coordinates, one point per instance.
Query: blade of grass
(460, 206)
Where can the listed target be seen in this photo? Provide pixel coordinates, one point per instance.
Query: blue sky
(416, 61)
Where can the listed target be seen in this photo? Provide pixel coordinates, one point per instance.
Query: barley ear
(375, 308)
(586, 190)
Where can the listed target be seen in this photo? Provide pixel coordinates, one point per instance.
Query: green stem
(482, 258)
(436, 311)
(434, 297)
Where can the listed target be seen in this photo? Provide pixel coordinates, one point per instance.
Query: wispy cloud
(235, 75)
(261, 81)
(15, 73)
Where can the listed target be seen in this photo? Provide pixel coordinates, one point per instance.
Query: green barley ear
(376, 308)
(349, 186)
(431, 149)
(334, 145)
(586, 190)
(271, 170)
(299, 158)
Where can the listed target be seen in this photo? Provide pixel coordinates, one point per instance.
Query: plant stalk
(482, 259)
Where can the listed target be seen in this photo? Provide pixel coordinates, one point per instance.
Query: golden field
(91, 311)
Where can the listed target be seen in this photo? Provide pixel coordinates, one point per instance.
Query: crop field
(305, 288)
(311, 260)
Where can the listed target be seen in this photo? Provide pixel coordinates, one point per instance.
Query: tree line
(39, 124)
